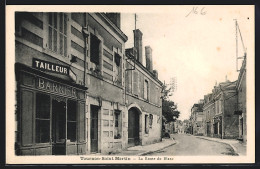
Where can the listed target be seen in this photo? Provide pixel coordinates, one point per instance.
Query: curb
(152, 151)
(234, 148)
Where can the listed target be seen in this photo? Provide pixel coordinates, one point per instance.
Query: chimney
(138, 44)
(155, 72)
(115, 18)
(149, 58)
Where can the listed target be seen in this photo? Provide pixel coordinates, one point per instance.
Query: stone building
(143, 92)
(225, 122)
(70, 86)
(209, 113)
(197, 119)
(241, 102)
(219, 111)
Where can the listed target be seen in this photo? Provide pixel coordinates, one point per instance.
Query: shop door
(133, 128)
(94, 128)
(58, 127)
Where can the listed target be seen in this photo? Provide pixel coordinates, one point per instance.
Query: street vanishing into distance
(189, 145)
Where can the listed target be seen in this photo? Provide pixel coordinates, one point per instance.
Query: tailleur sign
(51, 67)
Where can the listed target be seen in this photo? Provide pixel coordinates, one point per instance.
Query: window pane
(62, 128)
(116, 119)
(65, 24)
(94, 49)
(50, 18)
(71, 135)
(65, 46)
(61, 22)
(55, 20)
(50, 38)
(61, 44)
(72, 110)
(118, 125)
(42, 106)
(55, 41)
(42, 131)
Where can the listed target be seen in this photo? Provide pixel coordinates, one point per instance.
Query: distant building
(209, 113)
(180, 127)
(219, 109)
(197, 119)
(241, 102)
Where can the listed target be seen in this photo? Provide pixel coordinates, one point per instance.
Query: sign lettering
(48, 66)
(56, 88)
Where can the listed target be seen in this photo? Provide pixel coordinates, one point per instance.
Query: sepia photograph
(130, 84)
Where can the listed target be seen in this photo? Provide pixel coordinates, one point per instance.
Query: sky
(195, 44)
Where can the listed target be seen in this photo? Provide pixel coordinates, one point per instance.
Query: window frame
(146, 89)
(39, 119)
(55, 19)
(146, 123)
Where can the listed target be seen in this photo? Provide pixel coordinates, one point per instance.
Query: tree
(169, 109)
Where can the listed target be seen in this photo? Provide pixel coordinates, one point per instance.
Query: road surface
(189, 145)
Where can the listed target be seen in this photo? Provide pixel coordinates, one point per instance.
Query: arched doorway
(133, 127)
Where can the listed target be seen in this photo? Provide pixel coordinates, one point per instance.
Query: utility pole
(244, 49)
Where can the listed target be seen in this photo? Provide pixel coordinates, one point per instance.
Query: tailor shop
(50, 113)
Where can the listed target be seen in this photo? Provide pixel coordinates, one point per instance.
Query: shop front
(50, 114)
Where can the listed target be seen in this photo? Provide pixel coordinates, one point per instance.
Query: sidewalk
(237, 146)
(147, 149)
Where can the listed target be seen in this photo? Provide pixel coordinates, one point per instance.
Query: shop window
(118, 125)
(146, 124)
(71, 120)
(42, 119)
(146, 90)
(94, 49)
(57, 36)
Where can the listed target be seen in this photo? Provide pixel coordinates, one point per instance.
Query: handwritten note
(197, 11)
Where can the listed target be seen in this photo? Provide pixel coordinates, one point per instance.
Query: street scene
(168, 83)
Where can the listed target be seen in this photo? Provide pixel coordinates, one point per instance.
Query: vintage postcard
(130, 84)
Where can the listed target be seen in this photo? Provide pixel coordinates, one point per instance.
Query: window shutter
(135, 83)
(81, 122)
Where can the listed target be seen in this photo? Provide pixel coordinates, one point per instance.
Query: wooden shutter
(135, 83)
(27, 108)
(81, 122)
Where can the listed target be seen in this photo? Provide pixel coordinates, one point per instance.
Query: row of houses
(222, 113)
(78, 90)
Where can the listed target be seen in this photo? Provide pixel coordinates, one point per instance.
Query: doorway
(133, 127)
(58, 127)
(94, 128)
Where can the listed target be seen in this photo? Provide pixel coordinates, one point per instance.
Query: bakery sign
(51, 67)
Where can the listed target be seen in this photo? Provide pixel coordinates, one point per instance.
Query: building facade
(143, 92)
(209, 113)
(197, 119)
(241, 102)
(219, 109)
(71, 81)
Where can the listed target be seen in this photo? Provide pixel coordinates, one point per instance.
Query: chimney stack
(138, 44)
(115, 18)
(155, 72)
(149, 58)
